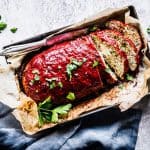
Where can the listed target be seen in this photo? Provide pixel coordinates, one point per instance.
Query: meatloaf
(74, 69)
(125, 45)
(129, 31)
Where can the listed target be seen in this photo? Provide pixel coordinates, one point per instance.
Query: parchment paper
(26, 108)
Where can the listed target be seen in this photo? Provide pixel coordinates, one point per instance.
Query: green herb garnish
(51, 79)
(71, 96)
(42, 108)
(108, 70)
(77, 63)
(60, 84)
(52, 82)
(92, 28)
(36, 77)
(40, 119)
(63, 109)
(129, 77)
(13, 30)
(3, 25)
(73, 66)
(52, 85)
(54, 117)
(95, 63)
(47, 113)
(148, 30)
(46, 104)
(69, 69)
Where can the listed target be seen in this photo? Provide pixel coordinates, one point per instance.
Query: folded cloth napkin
(106, 130)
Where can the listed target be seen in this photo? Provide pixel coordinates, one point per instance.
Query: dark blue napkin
(106, 130)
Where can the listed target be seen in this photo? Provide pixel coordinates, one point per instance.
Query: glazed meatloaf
(129, 32)
(72, 70)
(126, 45)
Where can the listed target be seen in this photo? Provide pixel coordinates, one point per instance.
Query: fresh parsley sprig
(47, 113)
(129, 77)
(148, 30)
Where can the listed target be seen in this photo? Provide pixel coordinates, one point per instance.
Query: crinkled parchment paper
(26, 109)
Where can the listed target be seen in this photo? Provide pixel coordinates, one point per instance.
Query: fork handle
(22, 48)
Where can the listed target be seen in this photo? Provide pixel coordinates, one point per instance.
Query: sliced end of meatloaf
(106, 72)
(113, 56)
(125, 45)
(132, 33)
(129, 31)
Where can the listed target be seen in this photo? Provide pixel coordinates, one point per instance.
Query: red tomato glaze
(52, 63)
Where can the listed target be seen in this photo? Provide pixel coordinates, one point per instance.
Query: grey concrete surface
(33, 17)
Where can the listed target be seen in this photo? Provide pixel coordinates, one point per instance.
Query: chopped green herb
(69, 69)
(95, 63)
(60, 84)
(51, 79)
(148, 30)
(92, 28)
(73, 66)
(52, 85)
(35, 71)
(13, 30)
(71, 96)
(108, 70)
(48, 114)
(3, 25)
(52, 82)
(36, 77)
(129, 77)
(78, 63)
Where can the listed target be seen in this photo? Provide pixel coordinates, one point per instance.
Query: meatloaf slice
(125, 45)
(65, 72)
(129, 31)
(115, 58)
